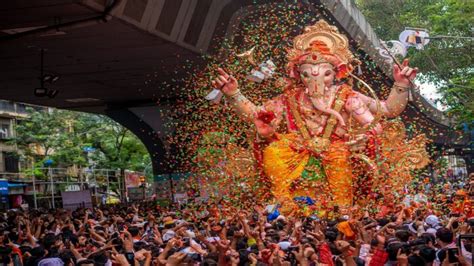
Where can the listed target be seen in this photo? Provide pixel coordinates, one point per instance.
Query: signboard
(132, 179)
(414, 37)
(136, 193)
(73, 188)
(16, 190)
(76, 199)
(180, 197)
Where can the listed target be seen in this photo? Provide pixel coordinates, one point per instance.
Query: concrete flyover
(111, 56)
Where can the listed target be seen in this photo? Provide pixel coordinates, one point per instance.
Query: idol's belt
(317, 144)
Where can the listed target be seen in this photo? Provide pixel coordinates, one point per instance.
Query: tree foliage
(447, 62)
(81, 139)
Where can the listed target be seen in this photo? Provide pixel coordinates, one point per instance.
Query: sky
(429, 91)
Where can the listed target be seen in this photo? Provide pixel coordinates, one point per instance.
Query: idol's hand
(262, 120)
(358, 144)
(226, 83)
(405, 75)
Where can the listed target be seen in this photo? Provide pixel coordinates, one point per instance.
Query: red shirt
(379, 258)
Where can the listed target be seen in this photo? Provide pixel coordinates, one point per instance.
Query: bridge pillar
(145, 133)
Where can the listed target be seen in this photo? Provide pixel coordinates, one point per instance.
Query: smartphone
(452, 255)
(186, 242)
(290, 256)
(466, 240)
(293, 248)
(130, 257)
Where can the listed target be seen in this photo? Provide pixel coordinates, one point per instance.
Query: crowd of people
(219, 234)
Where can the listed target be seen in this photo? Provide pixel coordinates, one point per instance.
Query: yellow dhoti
(283, 165)
(338, 171)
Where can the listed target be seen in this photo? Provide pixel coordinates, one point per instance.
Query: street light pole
(52, 186)
(34, 189)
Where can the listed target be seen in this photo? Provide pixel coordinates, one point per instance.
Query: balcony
(13, 110)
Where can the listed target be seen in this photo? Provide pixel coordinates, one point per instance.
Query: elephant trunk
(319, 104)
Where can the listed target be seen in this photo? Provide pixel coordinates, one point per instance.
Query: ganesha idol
(320, 128)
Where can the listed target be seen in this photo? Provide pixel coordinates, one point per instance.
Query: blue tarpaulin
(4, 187)
(307, 200)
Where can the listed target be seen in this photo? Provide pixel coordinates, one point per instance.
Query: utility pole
(34, 188)
(52, 186)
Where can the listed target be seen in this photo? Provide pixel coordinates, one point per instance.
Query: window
(11, 162)
(5, 131)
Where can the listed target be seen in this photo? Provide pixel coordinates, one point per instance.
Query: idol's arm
(266, 127)
(264, 120)
(230, 88)
(397, 101)
(243, 106)
(357, 106)
(393, 106)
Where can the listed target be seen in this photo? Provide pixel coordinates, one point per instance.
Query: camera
(293, 248)
(186, 241)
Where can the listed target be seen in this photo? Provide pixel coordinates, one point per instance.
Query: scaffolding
(44, 185)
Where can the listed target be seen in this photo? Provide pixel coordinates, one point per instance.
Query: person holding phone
(445, 240)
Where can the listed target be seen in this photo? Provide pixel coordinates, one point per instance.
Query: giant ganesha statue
(321, 129)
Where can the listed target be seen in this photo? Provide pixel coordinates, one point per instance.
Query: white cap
(284, 245)
(168, 235)
(432, 220)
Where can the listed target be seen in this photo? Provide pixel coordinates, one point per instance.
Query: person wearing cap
(433, 222)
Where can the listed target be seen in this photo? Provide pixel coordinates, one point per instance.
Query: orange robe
(283, 164)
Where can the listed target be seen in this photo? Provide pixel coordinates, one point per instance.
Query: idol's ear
(292, 70)
(342, 71)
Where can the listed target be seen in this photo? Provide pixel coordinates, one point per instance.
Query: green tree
(447, 62)
(62, 136)
(43, 133)
(117, 147)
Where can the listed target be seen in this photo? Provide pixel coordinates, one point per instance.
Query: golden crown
(315, 58)
(337, 43)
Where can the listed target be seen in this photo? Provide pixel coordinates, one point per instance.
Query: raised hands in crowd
(147, 234)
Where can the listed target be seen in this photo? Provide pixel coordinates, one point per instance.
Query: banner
(132, 179)
(136, 193)
(76, 199)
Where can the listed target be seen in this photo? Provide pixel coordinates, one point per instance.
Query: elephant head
(317, 77)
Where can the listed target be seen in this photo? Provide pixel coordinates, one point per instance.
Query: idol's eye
(305, 74)
(327, 73)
